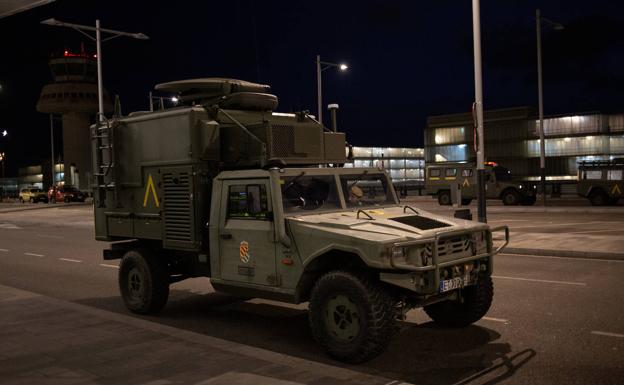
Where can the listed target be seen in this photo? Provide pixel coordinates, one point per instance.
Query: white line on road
(540, 280)
(560, 224)
(70, 260)
(34, 255)
(607, 334)
(555, 257)
(4, 250)
(594, 231)
(50, 236)
(111, 266)
(495, 319)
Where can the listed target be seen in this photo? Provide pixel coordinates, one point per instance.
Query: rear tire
(598, 198)
(511, 198)
(351, 317)
(466, 201)
(143, 283)
(444, 198)
(475, 303)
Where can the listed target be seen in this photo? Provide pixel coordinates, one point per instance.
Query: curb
(565, 253)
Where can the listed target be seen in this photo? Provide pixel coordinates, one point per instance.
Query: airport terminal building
(512, 140)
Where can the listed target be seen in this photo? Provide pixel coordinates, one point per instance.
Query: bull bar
(434, 250)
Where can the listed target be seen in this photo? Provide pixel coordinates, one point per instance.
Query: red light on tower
(66, 53)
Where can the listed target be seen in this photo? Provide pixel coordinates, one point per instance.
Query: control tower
(73, 95)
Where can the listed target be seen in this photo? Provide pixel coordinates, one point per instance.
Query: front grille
(459, 245)
(177, 207)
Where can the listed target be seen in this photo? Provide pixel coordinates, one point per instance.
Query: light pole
(476, 32)
(540, 96)
(320, 67)
(2, 158)
(98, 42)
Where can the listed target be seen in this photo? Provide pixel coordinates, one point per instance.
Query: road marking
(34, 255)
(594, 231)
(50, 236)
(9, 226)
(111, 266)
(607, 334)
(70, 260)
(555, 257)
(540, 280)
(4, 250)
(495, 319)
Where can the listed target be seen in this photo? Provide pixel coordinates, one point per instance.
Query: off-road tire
(143, 282)
(66, 200)
(444, 198)
(376, 315)
(598, 198)
(511, 197)
(475, 303)
(528, 201)
(466, 201)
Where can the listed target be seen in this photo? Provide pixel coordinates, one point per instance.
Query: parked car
(33, 195)
(65, 194)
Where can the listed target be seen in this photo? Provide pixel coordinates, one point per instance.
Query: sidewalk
(15, 207)
(49, 341)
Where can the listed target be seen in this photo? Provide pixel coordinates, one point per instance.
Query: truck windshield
(302, 193)
(366, 190)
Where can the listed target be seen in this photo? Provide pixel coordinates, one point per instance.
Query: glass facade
(405, 165)
(512, 140)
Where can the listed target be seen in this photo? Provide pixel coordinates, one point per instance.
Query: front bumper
(412, 278)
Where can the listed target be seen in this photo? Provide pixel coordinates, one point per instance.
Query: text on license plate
(454, 283)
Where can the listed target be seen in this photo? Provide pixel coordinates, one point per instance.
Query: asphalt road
(553, 321)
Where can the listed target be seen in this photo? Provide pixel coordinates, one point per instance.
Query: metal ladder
(104, 170)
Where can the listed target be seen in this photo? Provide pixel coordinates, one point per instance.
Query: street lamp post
(476, 31)
(320, 67)
(98, 42)
(540, 96)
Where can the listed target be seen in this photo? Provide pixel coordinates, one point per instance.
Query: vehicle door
(246, 232)
(492, 187)
(468, 182)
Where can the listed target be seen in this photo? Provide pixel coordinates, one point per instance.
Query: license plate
(454, 283)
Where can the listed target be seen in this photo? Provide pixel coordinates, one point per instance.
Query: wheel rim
(342, 318)
(135, 284)
(445, 198)
(510, 198)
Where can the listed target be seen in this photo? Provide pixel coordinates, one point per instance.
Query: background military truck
(601, 181)
(441, 178)
(222, 187)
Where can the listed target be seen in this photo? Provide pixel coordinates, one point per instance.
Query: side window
(593, 174)
(451, 172)
(614, 174)
(466, 172)
(434, 173)
(248, 202)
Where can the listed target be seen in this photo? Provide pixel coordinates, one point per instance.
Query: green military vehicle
(601, 181)
(222, 187)
(442, 178)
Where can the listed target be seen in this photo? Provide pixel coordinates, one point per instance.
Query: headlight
(520, 186)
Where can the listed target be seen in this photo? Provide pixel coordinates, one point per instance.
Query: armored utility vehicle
(441, 178)
(601, 181)
(223, 187)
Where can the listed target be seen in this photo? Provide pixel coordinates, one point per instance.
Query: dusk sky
(408, 59)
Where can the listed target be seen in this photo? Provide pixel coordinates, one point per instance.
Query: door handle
(226, 236)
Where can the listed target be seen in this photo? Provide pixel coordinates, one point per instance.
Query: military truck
(223, 187)
(601, 181)
(442, 178)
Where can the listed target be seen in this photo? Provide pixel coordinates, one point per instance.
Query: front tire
(474, 304)
(143, 283)
(351, 317)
